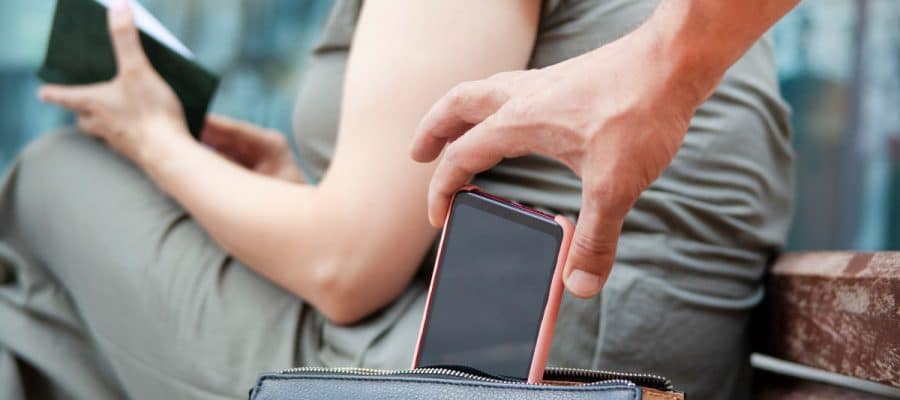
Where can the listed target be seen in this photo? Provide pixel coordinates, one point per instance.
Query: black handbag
(458, 384)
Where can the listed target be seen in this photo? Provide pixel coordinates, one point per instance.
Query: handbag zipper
(647, 380)
(607, 377)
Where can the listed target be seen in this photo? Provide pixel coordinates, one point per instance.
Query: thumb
(215, 126)
(593, 248)
(213, 134)
(125, 38)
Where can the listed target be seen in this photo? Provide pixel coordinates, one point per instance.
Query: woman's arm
(352, 244)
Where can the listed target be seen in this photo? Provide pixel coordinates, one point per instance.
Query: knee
(61, 156)
(51, 147)
(44, 172)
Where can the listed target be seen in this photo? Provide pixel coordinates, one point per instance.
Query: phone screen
(491, 287)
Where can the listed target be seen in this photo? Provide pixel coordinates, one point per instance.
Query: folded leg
(141, 297)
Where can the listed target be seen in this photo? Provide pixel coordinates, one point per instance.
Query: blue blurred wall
(258, 46)
(839, 65)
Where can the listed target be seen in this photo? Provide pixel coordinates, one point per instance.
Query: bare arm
(616, 116)
(703, 38)
(350, 245)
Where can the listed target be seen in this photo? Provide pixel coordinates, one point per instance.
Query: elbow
(338, 296)
(341, 315)
(340, 311)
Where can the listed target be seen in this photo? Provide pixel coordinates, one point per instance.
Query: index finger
(481, 148)
(453, 115)
(77, 98)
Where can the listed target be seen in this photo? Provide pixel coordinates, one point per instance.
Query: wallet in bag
(458, 384)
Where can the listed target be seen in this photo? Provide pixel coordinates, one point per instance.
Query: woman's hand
(135, 107)
(259, 149)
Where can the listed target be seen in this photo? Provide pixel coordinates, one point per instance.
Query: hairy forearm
(696, 41)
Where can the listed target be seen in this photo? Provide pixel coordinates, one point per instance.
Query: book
(80, 52)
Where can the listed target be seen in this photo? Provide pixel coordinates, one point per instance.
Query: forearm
(696, 41)
(324, 243)
(261, 221)
(350, 245)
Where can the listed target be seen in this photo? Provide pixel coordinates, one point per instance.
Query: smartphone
(496, 288)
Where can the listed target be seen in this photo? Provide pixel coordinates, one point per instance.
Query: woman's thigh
(171, 311)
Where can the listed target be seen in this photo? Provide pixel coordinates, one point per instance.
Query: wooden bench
(837, 312)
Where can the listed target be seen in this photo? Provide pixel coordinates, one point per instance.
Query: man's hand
(612, 120)
(258, 149)
(616, 116)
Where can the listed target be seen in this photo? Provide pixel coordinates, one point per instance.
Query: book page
(147, 23)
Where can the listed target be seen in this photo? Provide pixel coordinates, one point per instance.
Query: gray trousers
(108, 289)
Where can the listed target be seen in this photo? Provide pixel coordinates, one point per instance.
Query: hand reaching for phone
(262, 150)
(614, 116)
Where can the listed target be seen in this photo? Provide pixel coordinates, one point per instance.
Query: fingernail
(583, 283)
(119, 6)
(40, 94)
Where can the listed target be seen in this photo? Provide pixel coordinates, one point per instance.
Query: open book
(80, 52)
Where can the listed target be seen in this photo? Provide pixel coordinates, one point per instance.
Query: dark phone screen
(491, 288)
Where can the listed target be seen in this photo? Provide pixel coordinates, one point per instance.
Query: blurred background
(838, 62)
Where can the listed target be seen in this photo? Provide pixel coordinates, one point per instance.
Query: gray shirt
(693, 249)
(732, 174)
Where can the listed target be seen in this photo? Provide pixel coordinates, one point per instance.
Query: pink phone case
(548, 322)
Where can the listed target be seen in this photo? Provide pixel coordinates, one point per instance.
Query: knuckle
(277, 140)
(438, 191)
(501, 76)
(505, 75)
(599, 188)
(119, 28)
(489, 98)
(94, 108)
(88, 105)
(593, 246)
(613, 197)
(517, 110)
(456, 164)
(459, 94)
(84, 125)
(49, 94)
(473, 96)
(129, 70)
(596, 190)
(453, 158)
(512, 78)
